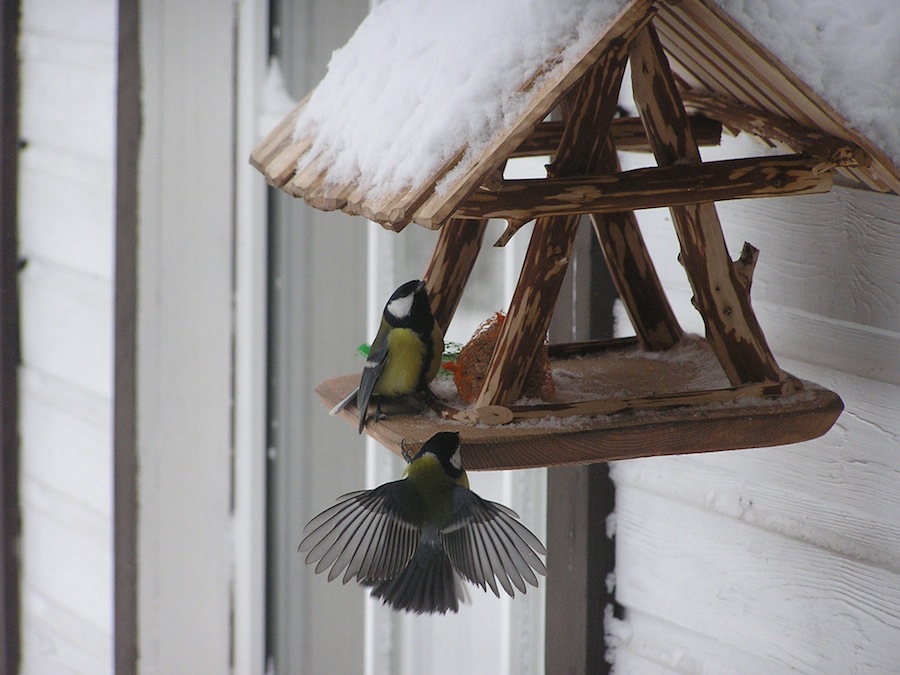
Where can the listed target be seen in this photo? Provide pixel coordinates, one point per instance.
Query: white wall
(201, 338)
(185, 336)
(781, 559)
(66, 233)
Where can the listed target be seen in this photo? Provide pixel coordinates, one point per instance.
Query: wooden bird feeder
(693, 71)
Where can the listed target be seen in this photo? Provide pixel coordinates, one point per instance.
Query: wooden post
(633, 273)
(580, 555)
(588, 111)
(9, 342)
(126, 512)
(457, 248)
(721, 298)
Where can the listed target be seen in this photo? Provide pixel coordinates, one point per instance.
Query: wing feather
(375, 363)
(485, 540)
(364, 533)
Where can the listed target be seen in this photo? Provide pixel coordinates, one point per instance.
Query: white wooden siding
(185, 336)
(250, 351)
(781, 559)
(66, 234)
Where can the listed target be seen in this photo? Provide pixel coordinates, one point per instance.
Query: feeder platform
(614, 401)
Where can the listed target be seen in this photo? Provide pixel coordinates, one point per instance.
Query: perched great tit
(405, 355)
(411, 539)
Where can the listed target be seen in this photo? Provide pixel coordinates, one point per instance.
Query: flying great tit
(405, 355)
(410, 540)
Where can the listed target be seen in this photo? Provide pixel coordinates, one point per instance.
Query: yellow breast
(404, 365)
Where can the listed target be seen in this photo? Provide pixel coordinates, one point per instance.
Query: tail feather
(427, 585)
(347, 400)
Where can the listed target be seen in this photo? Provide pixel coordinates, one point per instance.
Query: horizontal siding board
(838, 492)
(68, 96)
(801, 607)
(658, 646)
(60, 642)
(826, 345)
(744, 493)
(66, 553)
(66, 443)
(831, 255)
(68, 69)
(41, 49)
(72, 229)
(630, 663)
(780, 559)
(92, 21)
(804, 343)
(67, 325)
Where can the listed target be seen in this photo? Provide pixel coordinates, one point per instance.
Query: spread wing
(365, 535)
(375, 363)
(485, 540)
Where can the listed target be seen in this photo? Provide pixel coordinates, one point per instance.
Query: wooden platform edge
(785, 420)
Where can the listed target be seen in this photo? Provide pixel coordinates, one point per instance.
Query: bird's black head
(409, 307)
(445, 446)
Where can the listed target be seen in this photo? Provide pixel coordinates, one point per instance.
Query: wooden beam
(530, 310)
(124, 422)
(588, 111)
(831, 151)
(633, 273)
(457, 248)
(498, 415)
(731, 326)
(627, 133)
(521, 200)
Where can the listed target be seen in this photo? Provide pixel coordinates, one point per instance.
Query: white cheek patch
(456, 461)
(400, 307)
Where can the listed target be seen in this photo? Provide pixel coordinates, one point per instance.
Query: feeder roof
(429, 98)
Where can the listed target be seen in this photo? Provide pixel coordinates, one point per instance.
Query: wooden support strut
(633, 273)
(452, 260)
(627, 133)
(829, 150)
(524, 199)
(719, 294)
(589, 111)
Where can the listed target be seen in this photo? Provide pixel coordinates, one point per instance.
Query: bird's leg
(421, 400)
(379, 414)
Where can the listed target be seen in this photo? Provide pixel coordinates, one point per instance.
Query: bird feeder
(693, 71)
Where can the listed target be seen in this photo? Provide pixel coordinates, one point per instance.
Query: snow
(401, 98)
(847, 52)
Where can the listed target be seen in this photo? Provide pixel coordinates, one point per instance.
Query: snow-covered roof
(429, 97)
